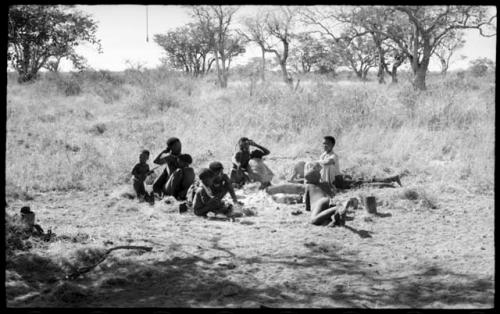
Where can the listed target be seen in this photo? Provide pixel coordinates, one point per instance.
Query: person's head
(257, 154)
(144, 156)
(244, 144)
(312, 165)
(328, 143)
(206, 176)
(174, 145)
(312, 176)
(216, 167)
(184, 160)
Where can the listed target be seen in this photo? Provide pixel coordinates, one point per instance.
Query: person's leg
(187, 180)
(139, 189)
(160, 182)
(321, 211)
(235, 177)
(213, 205)
(395, 178)
(174, 183)
(287, 188)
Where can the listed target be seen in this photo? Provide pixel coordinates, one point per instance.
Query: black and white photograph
(250, 156)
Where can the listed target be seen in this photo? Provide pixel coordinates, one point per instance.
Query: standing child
(140, 172)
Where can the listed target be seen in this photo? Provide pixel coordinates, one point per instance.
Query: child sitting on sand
(140, 172)
(205, 200)
(222, 184)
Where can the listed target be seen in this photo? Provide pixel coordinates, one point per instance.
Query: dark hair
(312, 176)
(242, 140)
(257, 154)
(331, 139)
(145, 152)
(186, 158)
(206, 174)
(170, 142)
(25, 210)
(215, 166)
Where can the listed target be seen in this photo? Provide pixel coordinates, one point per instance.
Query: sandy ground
(408, 255)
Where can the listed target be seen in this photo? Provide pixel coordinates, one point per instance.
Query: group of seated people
(317, 181)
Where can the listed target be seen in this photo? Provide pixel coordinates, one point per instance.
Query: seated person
(330, 173)
(317, 199)
(205, 200)
(302, 167)
(140, 172)
(239, 173)
(181, 179)
(222, 184)
(167, 157)
(258, 170)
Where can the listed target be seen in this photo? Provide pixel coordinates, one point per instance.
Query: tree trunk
(263, 70)
(394, 75)
(444, 67)
(380, 74)
(288, 80)
(419, 81)
(219, 78)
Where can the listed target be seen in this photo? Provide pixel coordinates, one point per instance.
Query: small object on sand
(296, 212)
(183, 207)
(371, 204)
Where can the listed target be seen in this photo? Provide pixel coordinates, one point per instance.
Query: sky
(123, 30)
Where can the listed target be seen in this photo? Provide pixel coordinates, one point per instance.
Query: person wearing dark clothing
(140, 172)
(239, 174)
(222, 183)
(205, 200)
(181, 179)
(168, 157)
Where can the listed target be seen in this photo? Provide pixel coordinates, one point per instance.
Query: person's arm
(264, 150)
(231, 189)
(159, 160)
(135, 170)
(329, 160)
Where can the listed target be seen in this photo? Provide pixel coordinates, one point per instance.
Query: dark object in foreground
(83, 270)
(371, 204)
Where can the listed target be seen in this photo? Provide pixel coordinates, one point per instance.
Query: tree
(187, 49)
(280, 25)
(37, 33)
(308, 52)
(480, 66)
(359, 54)
(374, 21)
(215, 22)
(254, 31)
(430, 26)
(447, 48)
